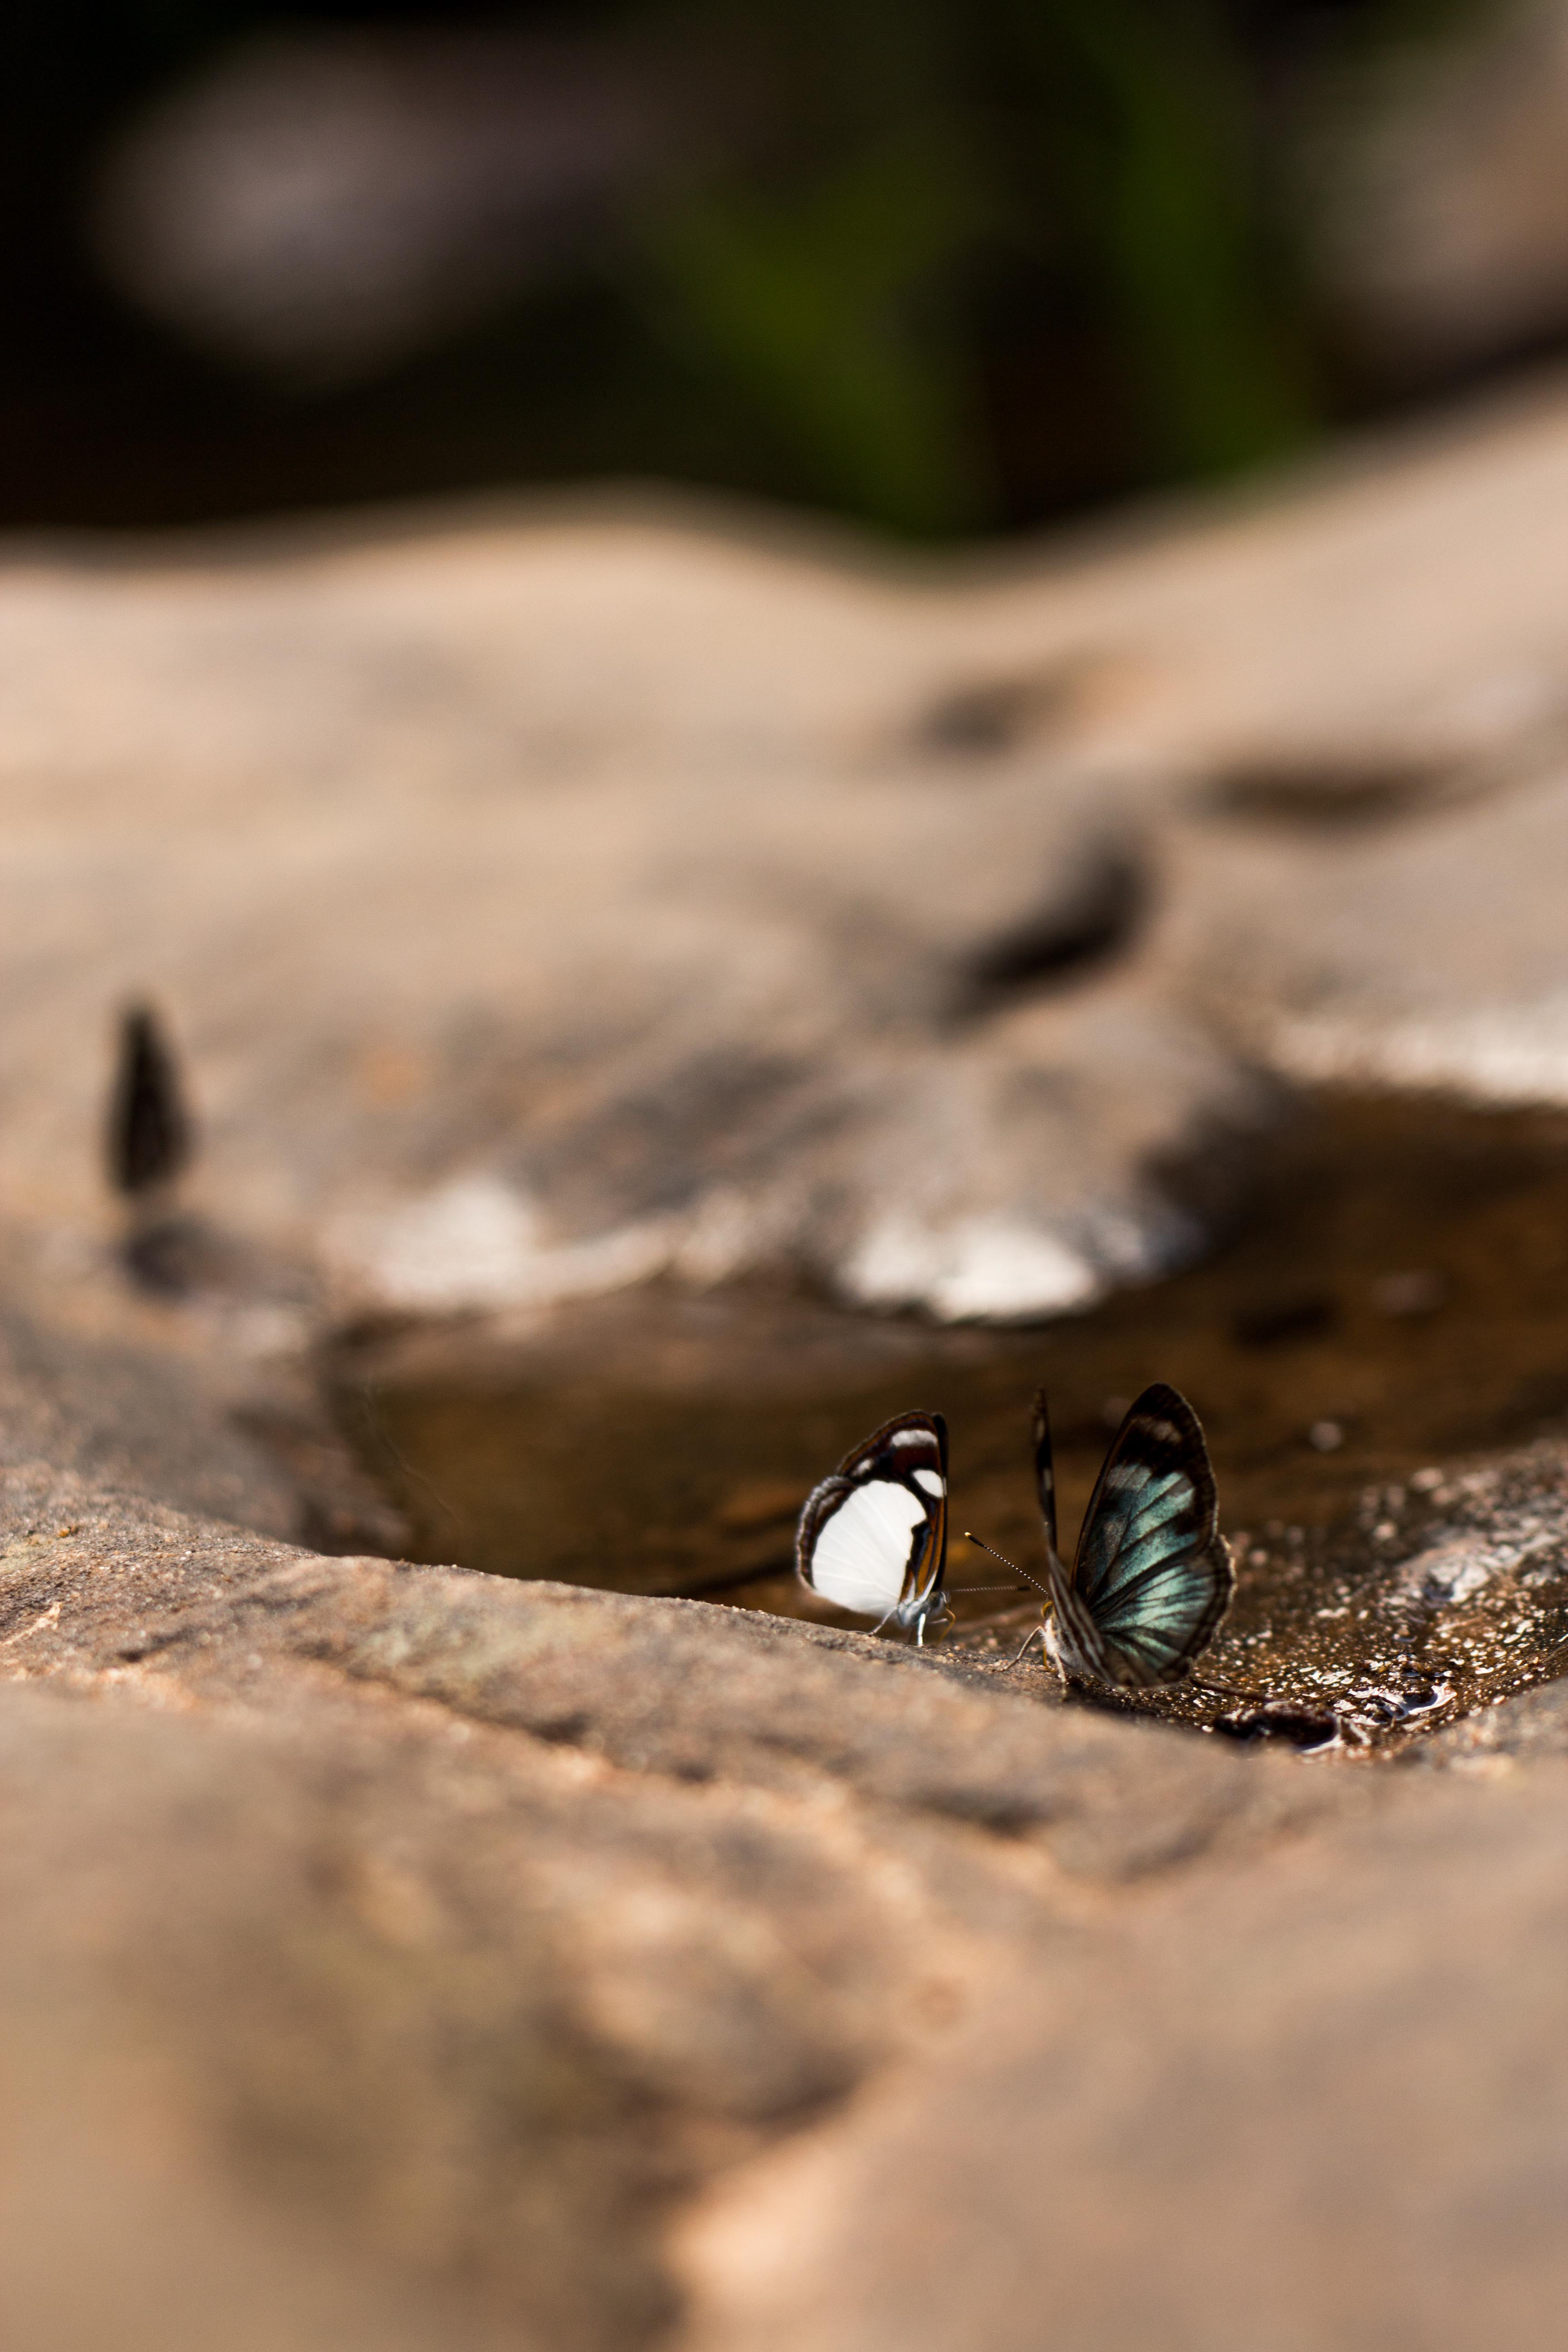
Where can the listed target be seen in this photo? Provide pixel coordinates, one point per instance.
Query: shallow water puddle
(1393, 1298)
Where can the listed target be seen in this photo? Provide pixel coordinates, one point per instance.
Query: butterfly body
(1152, 1576)
(873, 1537)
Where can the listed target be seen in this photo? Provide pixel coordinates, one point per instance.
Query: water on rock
(1393, 1298)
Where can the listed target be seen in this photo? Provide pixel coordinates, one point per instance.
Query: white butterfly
(873, 1537)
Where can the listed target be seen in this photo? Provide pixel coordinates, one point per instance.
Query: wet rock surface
(1396, 1290)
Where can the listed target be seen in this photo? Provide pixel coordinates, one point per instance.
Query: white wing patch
(862, 1553)
(930, 1480)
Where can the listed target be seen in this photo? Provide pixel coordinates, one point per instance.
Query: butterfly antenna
(982, 1545)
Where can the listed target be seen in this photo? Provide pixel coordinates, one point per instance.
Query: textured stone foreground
(403, 1957)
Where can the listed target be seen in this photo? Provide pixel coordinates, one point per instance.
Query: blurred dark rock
(1438, 187)
(321, 203)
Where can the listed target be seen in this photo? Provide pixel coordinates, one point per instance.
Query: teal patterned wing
(1152, 1574)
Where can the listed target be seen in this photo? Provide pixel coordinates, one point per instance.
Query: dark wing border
(1045, 1467)
(939, 1547)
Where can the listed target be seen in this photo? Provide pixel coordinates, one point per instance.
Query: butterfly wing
(873, 1537)
(1045, 1470)
(1070, 1632)
(1153, 1577)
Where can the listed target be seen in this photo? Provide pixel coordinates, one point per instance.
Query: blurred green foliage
(1095, 158)
(964, 263)
(812, 302)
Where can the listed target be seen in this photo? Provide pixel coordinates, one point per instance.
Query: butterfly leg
(1038, 1635)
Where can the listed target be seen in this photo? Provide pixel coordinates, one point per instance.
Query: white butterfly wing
(862, 1551)
(873, 1537)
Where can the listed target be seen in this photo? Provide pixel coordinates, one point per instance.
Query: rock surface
(403, 1957)
(429, 1937)
(552, 901)
(1320, 2106)
(427, 1956)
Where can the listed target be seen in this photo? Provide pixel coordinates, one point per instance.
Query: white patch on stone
(724, 1235)
(1502, 1053)
(1450, 1573)
(979, 1269)
(479, 1243)
(1469, 1579)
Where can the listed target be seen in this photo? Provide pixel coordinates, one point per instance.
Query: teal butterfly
(1152, 1576)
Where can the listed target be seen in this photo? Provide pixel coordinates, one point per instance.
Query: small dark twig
(149, 1139)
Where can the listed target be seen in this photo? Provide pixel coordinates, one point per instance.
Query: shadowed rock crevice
(1098, 919)
(1329, 796)
(986, 718)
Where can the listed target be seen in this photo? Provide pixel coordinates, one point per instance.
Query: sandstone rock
(446, 1952)
(1320, 2106)
(420, 1956)
(106, 1384)
(424, 1939)
(549, 902)
(546, 904)
(1423, 961)
(1531, 1726)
